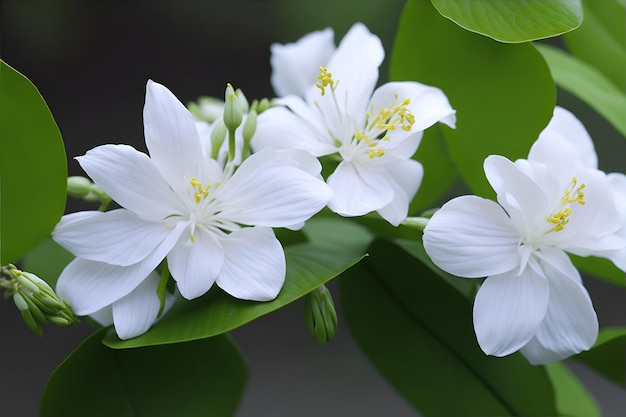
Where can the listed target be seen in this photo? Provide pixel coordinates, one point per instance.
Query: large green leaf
(588, 84)
(608, 355)
(202, 378)
(417, 330)
(308, 267)
(600, 268)
(572, 398)
(600, 40)
(47, 260)
(504, 94)
(513, 20)
(439, 171)
(33, 169)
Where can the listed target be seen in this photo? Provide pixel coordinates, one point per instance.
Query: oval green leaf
(417, 330)
(504, 94)
(600, 40)
(308, 267)
(33, 168)
(588, 84)
(513, 21)
(201, 378)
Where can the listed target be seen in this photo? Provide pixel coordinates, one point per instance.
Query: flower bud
(208, 109)
(37, 302)
(233, 112)
(321, 318)
(78, 186)
(218, 136)
(242, 100)
(249, 126)
(263, 105)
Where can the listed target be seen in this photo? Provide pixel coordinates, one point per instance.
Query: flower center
(199, 191)
(572, 194)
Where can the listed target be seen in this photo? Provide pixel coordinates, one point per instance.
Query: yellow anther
(376, 152)
(573, 194)
(397, 115)
(199, 192)
(359, 135)
(325, 79)
(192, 238)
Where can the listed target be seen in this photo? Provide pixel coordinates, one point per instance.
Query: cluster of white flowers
(203, 210)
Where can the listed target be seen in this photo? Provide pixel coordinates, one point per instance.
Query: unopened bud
(263, 105)
(78, 187)
(242, 101)
(321, 317)
(249, 126)
(208, 109)
(233, 113)
(218, 136)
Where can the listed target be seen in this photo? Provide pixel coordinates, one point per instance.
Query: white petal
(407, 176)
(90, 286)
(171, 137)
(428, 104)
(565, 126)
(295, 66)
(508, 311)
(130, 178)
(472, 237)
(279, 128)
(355, 65)
(570, 324)
(134, 314)
(359, 189)
(195, 265)
(103, 317)
(521, 197)
(117, 237)
(254, 267)
(273, 188)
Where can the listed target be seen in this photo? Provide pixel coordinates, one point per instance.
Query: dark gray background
(91, 61)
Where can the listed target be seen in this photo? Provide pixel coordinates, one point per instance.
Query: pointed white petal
(273, 189)
(171, 137)
(521, 197)
(254, 267)
(472, 237)
(355, 66)
(90, 286)
(130, 178)
(295, 65)
(117, 237)
(428, 104)
(195, 265)
(279, 128)
(572, 134)
(359, 190)
(134, 314)
(407, 176)
(570, 324)
(508, 310)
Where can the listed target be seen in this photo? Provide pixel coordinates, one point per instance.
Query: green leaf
(33, 169)
(513, 20)
(201, 378)
(47, 260)
(600, 268)
(572, 398)
(504, 94)
(308, 267)
(439, 171)
(600, 39)
(417, 331)
(588, 84)
(608, 355)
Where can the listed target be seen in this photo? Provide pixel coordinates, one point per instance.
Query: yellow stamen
(376, 152)
(572, 194)
(397, 115)
(199, 192)
(325, 79)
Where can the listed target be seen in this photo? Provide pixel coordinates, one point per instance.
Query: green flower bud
(208, 109)
(242, 100)
(321, 317)
(250, 126)
(218, 136)
(263, 105)
(78, 187)
(233, 113)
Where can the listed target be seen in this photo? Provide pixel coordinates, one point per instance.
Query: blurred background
(91, 60)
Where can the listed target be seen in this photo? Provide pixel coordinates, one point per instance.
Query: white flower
(556, 201)
(373, 134)
(180, 205)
